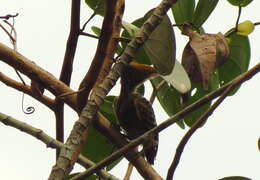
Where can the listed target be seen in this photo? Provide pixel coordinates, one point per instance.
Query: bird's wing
(145, 111)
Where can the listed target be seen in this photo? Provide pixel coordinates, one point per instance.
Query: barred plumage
(134, 112)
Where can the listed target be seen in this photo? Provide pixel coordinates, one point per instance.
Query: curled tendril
(13, 37)
(28, 110)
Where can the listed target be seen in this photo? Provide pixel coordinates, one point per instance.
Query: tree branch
(122, 39)
(79, 132)
(9, 16)
(132, 155)
(128, 171)
(106, 49)
(36, 73)
(27, 90)
(67, 66)
(49, 141)
(72, 41)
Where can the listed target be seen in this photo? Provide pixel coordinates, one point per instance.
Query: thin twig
(238, 17)
(85, 24)
(89, 35)
(9, 34)
(14, 43)
(129, 171)
(13, 38)
(257, 23)
(49, 141)
(9, 16)
(155, 91)
(121, 39)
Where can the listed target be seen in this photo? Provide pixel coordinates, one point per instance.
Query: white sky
(226, 145)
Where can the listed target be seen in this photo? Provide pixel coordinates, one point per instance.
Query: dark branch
(89, 19)
(121, 39)
(66, 71)
(105, 51)
(36, 73)
(27, 90)
(9, 16)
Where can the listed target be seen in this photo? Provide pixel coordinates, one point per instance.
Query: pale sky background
(226, 145)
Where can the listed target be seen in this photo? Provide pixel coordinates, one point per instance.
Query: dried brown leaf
(203, 54)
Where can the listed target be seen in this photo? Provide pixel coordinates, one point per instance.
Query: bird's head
(135, 74)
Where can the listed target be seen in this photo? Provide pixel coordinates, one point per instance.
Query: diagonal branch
(36, 73)
(205, 116)
(132, 155)
(79, 132)
(49, 141)
(27, 90)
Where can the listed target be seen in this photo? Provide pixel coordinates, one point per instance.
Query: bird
(134, 113)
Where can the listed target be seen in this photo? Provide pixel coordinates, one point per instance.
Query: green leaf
(179, 79)
(141, 56)
(241, 3)
(203, 10)
(107, 110)
(228, 72)
(98, 6)
(97, 146)
(161, 47)
(238, 61)
(158, 49)
(192, 117)
(96, 30)
(197, 93)
(240, 51)
(169, 98)
(259, 144)
(183, 11)
(235, 178)
(131, 28)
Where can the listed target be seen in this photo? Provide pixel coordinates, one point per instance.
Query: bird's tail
(150, 149)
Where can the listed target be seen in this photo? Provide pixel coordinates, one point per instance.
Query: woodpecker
(135, 114)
